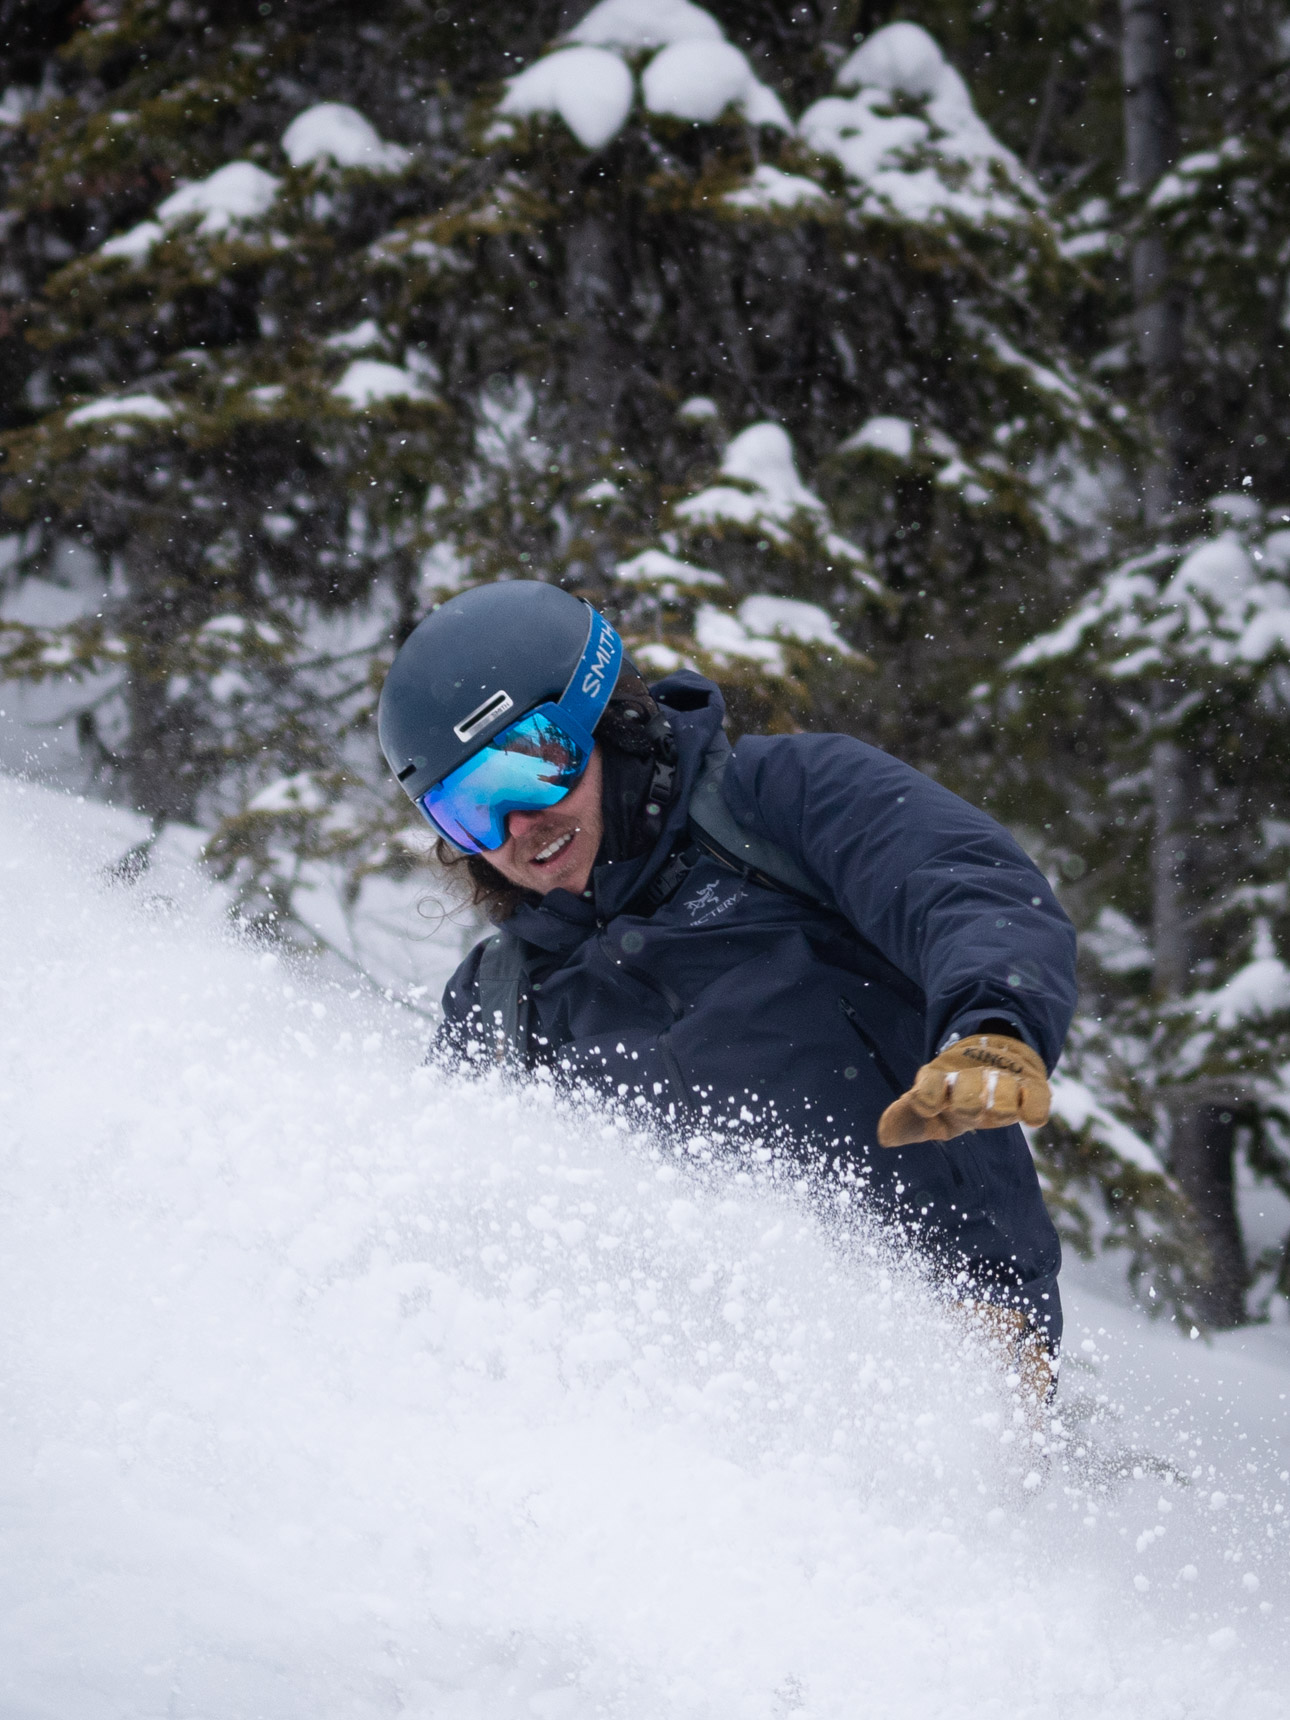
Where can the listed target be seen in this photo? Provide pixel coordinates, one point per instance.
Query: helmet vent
(482, 715)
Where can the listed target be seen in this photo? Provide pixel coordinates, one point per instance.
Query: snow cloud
(320, 1414)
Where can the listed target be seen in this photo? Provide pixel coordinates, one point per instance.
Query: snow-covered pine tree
(820, 357)
(30, 248)
(1223, 215)
(1192, 732)
(646, 313)
(1176, 671)
(248, 485)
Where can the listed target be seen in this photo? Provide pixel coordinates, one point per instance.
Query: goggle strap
(592, 683)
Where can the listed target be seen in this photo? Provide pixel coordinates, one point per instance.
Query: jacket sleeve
(934, 883)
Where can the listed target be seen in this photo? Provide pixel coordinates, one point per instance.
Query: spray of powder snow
(335, 1388)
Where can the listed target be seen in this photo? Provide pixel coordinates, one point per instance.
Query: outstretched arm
(935, 884)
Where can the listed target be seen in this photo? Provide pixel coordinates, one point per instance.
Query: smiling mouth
(547, 854)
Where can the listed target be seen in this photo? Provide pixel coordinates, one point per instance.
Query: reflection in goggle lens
(527, 767)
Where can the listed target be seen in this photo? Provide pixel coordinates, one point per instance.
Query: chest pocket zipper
(866, 1039)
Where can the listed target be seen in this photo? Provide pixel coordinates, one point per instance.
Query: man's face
(555, 849)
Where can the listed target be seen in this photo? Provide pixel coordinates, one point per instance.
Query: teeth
(553, 848)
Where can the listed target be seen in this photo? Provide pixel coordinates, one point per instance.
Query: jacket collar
(560, 921)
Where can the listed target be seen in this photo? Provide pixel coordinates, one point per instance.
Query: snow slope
(336, 1388)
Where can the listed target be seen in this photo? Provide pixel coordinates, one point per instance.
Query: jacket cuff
(971, 1023)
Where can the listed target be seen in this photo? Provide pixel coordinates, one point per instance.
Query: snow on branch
(634, 24)
(770, 188)
(760, 627)
(655, 567)
(1226, 602)
(884, 435)
(369, 380)
(1259, 989)
(331, 133)
(121, 406)
(590, 88)
(944, 161)
(769, 497)
(1075, 1105)
(234, 194)
(327, 134)
(700, 80)
(771, 493)
(693, 73)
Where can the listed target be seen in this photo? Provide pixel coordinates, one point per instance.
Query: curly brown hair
(470, 875)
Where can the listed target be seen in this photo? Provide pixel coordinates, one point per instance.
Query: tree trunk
(159, 775)
(1170, 933)
(1150, 148)
(156, 758)
(1202, 1135)
(594, 379)
(1201, 1158)
(595, 297)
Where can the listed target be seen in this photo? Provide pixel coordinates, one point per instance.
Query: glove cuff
(995, 1051)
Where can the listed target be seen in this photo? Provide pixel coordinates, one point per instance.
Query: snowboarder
(802, 936)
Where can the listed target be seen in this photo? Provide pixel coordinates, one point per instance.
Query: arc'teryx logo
(708, 904)
(593, 682)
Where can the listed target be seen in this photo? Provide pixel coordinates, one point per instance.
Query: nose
(519, 824)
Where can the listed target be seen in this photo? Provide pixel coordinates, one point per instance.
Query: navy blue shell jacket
(741, 1001)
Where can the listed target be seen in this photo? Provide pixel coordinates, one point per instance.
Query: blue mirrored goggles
(526, 767)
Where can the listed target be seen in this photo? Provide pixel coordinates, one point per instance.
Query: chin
(573, 876)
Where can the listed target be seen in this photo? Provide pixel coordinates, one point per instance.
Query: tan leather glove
(985, 1081)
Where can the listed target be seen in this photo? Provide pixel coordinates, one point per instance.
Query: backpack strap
(502, 981)
(716, 830)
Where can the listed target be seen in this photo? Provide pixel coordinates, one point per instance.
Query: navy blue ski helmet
(481, 660)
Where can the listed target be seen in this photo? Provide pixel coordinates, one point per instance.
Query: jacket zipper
(684, 1102)
(866, 1039)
